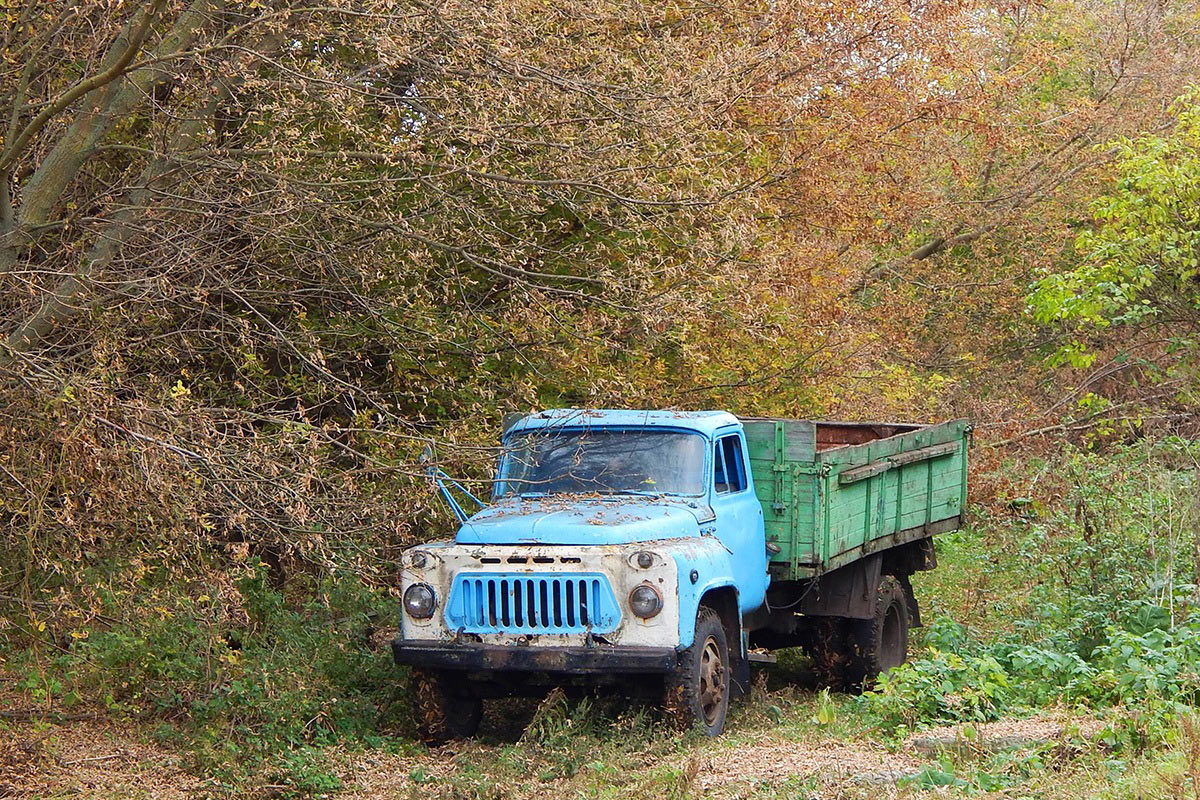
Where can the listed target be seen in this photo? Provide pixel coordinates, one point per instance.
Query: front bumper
(571, 660)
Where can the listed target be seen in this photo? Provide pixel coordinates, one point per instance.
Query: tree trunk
(102, 107)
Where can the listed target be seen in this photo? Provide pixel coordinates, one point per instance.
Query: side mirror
(426, 460)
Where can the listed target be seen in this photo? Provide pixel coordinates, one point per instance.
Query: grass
(1049, 607)
(782, 743)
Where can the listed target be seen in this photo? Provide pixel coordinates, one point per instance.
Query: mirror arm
(440, 478)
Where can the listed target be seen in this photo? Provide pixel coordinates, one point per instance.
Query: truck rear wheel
(443, 708)
(850, 654)
(876, 645)
(697, 692)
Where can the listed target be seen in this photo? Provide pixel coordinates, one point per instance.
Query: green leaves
(1152, 669)
(1142, 257)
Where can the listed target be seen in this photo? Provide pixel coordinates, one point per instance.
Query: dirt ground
(87, 758)
(100, 758)
(772, 761)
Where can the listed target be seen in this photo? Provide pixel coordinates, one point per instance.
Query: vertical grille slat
(525, 603)
(532, 605)
(464, 605)
(544, 606)
(492, 605)
(560, 602)
(571, 604)
(583, 602)
(473, 602)
(518, 595)
(476, 608)
(504, 618)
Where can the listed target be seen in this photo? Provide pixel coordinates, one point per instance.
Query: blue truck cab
(619, 547)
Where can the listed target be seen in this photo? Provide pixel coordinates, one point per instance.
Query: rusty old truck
(662, 552)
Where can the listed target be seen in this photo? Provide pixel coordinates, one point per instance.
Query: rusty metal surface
(846, 592)
(575, 660)
(840, 434)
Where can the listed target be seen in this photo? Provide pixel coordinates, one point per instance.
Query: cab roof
(705, 422)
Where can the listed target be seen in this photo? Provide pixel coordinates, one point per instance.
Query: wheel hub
(712, 680)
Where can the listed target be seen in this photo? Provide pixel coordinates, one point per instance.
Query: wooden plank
(870, 492)
(900, 537)
(945, 495)
(849, 525)
(776, 446)
(881, 462)
(856, 455)
(799, 435)
(922, 453)
(860, 473)
(804, 501)
(801, 440)
(760, 440)
(916, 482)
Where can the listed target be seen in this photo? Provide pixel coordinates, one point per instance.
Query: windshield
(604, 461)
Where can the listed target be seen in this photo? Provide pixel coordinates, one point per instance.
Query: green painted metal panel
(900, 481)
(781, 460)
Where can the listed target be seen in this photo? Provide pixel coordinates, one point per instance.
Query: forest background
(256, 255)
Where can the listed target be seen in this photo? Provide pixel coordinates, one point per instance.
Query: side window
(729, 471)
(720, 482)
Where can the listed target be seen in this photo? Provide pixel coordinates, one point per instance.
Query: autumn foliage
(256, 255)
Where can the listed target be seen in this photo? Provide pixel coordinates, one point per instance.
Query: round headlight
(645, 601)
(645, 560)
(419, 601)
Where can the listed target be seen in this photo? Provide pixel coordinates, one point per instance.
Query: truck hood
(557, 520)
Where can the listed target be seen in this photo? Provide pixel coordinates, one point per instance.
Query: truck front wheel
(697, 692)
(443, 708)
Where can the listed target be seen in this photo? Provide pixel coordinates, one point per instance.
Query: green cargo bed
(833, 492)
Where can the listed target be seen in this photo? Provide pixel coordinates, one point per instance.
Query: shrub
(1150, 674)
(252, 697)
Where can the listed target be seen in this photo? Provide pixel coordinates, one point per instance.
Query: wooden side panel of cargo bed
(892, 490)
(781, 459)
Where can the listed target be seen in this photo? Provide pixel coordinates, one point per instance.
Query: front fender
(710, 563)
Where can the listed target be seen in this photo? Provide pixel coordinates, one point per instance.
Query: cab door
(739, 516)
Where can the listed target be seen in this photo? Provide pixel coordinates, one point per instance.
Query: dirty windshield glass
(604, 461)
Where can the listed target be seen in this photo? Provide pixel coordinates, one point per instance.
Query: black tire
(697, 692)
(849, 654)
(829, 652)
(443, 708)
(878, 644)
